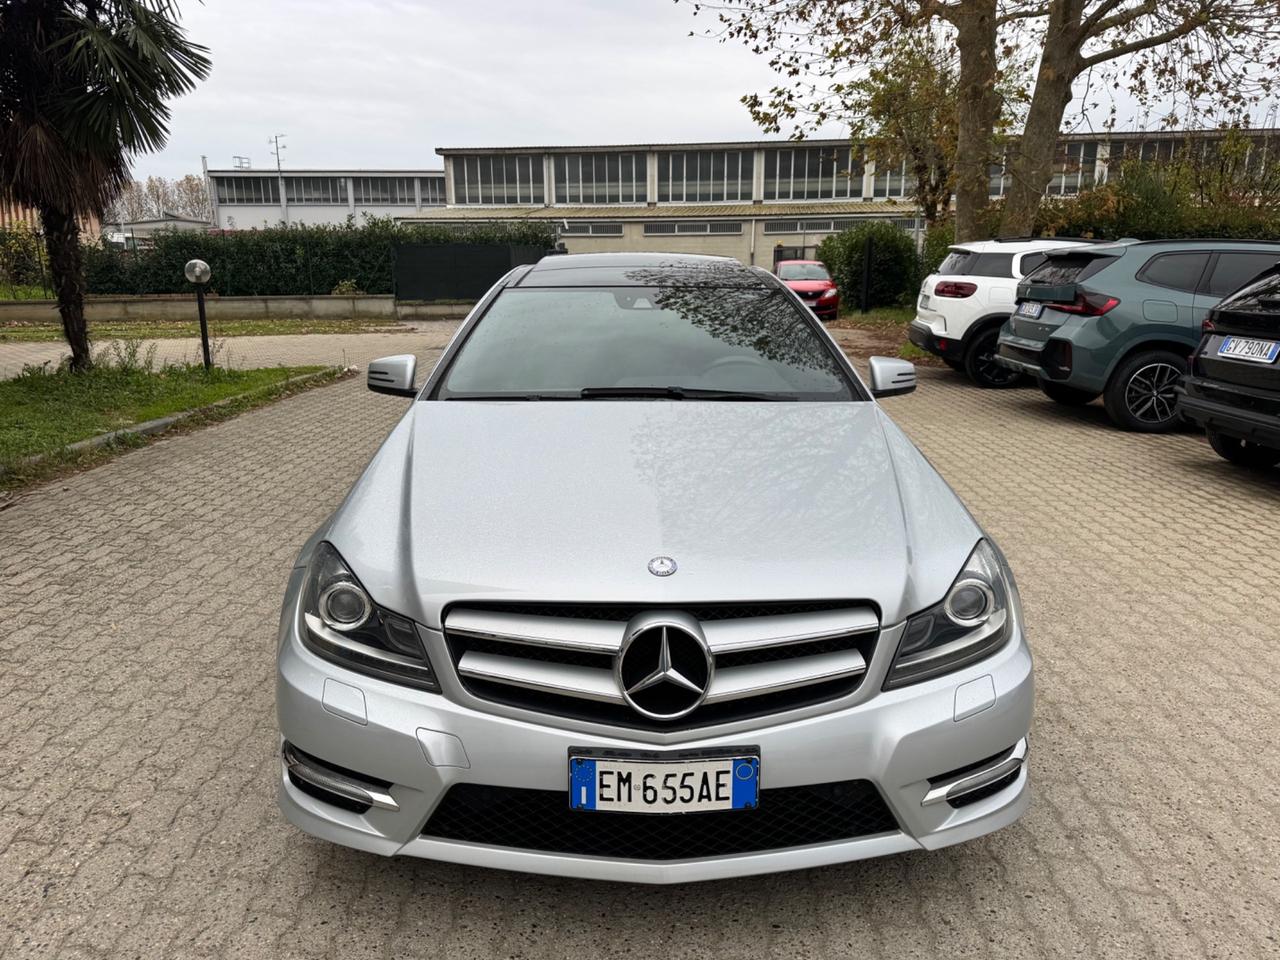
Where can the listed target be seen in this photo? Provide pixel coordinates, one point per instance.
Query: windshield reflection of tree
(737, 308)
(777, 466)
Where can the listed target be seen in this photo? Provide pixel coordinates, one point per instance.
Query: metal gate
(455, 271)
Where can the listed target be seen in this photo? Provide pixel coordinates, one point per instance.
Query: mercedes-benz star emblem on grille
(664, 668)
(662, 566)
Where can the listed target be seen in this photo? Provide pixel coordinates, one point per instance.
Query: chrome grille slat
(601, 635)
(563, 664)
(736, 683)
(748, 633)
(562, 678)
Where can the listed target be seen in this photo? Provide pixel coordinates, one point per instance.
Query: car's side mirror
(394, 375)
(891, 376)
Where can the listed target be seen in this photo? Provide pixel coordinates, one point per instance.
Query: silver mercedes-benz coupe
(646, 586)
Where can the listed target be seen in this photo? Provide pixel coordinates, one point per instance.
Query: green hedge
(895, 265)
(297, 261)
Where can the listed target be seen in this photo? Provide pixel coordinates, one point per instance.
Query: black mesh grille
(542, 820)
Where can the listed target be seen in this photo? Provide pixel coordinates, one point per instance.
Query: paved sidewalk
(344, 349)
(137, 813)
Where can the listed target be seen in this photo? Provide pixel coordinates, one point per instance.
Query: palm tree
(83, 87)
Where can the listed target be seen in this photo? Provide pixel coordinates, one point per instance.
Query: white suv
(962, 306)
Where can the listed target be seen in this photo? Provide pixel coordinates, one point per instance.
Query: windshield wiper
(509, 396)
(677, 393)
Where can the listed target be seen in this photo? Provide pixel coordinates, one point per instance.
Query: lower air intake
(542, 820)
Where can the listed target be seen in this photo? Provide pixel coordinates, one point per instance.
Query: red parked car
(811, 282)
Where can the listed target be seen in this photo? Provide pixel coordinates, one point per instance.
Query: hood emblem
(662, 566)
(664, 668)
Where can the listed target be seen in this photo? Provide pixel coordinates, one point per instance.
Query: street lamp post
(198, 273)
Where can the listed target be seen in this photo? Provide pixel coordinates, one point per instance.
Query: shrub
(296, 260)
(937, 240)
(345, 287)
(895, 265)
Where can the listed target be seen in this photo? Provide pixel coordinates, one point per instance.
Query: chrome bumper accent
(977, 779)
(331, 781)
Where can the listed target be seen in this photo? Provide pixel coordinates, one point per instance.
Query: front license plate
(660, 786)
(1030, 309)
(1244, 348)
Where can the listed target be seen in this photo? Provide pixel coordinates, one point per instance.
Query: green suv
(1120, 320)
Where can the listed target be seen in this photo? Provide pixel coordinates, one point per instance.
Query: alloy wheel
(1149, 394)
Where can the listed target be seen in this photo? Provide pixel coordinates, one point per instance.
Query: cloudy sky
(382, 84)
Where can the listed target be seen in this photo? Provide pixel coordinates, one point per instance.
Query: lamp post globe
(197, 271)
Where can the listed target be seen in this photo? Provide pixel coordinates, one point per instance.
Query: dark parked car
(1121, 320)
(1233, 389)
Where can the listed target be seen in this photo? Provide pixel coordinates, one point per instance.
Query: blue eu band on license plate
(660, 786)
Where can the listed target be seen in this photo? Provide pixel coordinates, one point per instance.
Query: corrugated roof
(706, 211)
(327, 172)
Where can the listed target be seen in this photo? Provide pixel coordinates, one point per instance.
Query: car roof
(781, 262)
(1118, 247)
(1020, 244)
(637, 270)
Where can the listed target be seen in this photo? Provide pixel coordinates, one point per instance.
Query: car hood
(808, 286)
(568, 501)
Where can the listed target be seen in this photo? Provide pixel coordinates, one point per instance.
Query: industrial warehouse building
(755, 200)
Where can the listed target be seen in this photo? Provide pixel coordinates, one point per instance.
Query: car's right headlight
(972, 621)
(343, 624)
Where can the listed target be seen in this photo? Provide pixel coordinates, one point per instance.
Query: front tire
(1140, 395)
(1242, 452)
(980, 363)
(1065, 395)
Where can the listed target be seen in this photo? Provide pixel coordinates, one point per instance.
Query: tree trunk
(66, 263)
(1031, 160)
(977, 106)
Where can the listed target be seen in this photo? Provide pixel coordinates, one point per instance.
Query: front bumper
(421, 744)
(1224, 417)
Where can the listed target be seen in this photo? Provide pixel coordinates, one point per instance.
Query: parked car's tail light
(972, 621)
(344, 625)
(1207, 326)
(957, 289)
(1089, 305)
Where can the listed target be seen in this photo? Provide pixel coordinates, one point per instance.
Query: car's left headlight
(343, 624)
(972, 621)
(828, 294)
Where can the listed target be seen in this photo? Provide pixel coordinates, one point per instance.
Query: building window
(1073, 167)
(500, 179)
(262, 190)
(315, 189)
(811, 226)
(890, 180)
(384, 190)
(703, 227)
(601, 178)
(812, 173)
(591, 230)
(705, 176)
(432, 191)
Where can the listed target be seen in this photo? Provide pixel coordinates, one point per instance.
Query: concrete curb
(152, 427)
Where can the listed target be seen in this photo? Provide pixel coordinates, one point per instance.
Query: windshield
(802, 271)
(662, 342)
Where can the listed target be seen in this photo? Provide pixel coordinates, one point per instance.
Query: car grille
(542, 820)
(559, 658)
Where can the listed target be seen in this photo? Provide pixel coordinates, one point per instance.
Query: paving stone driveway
(137, 814)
